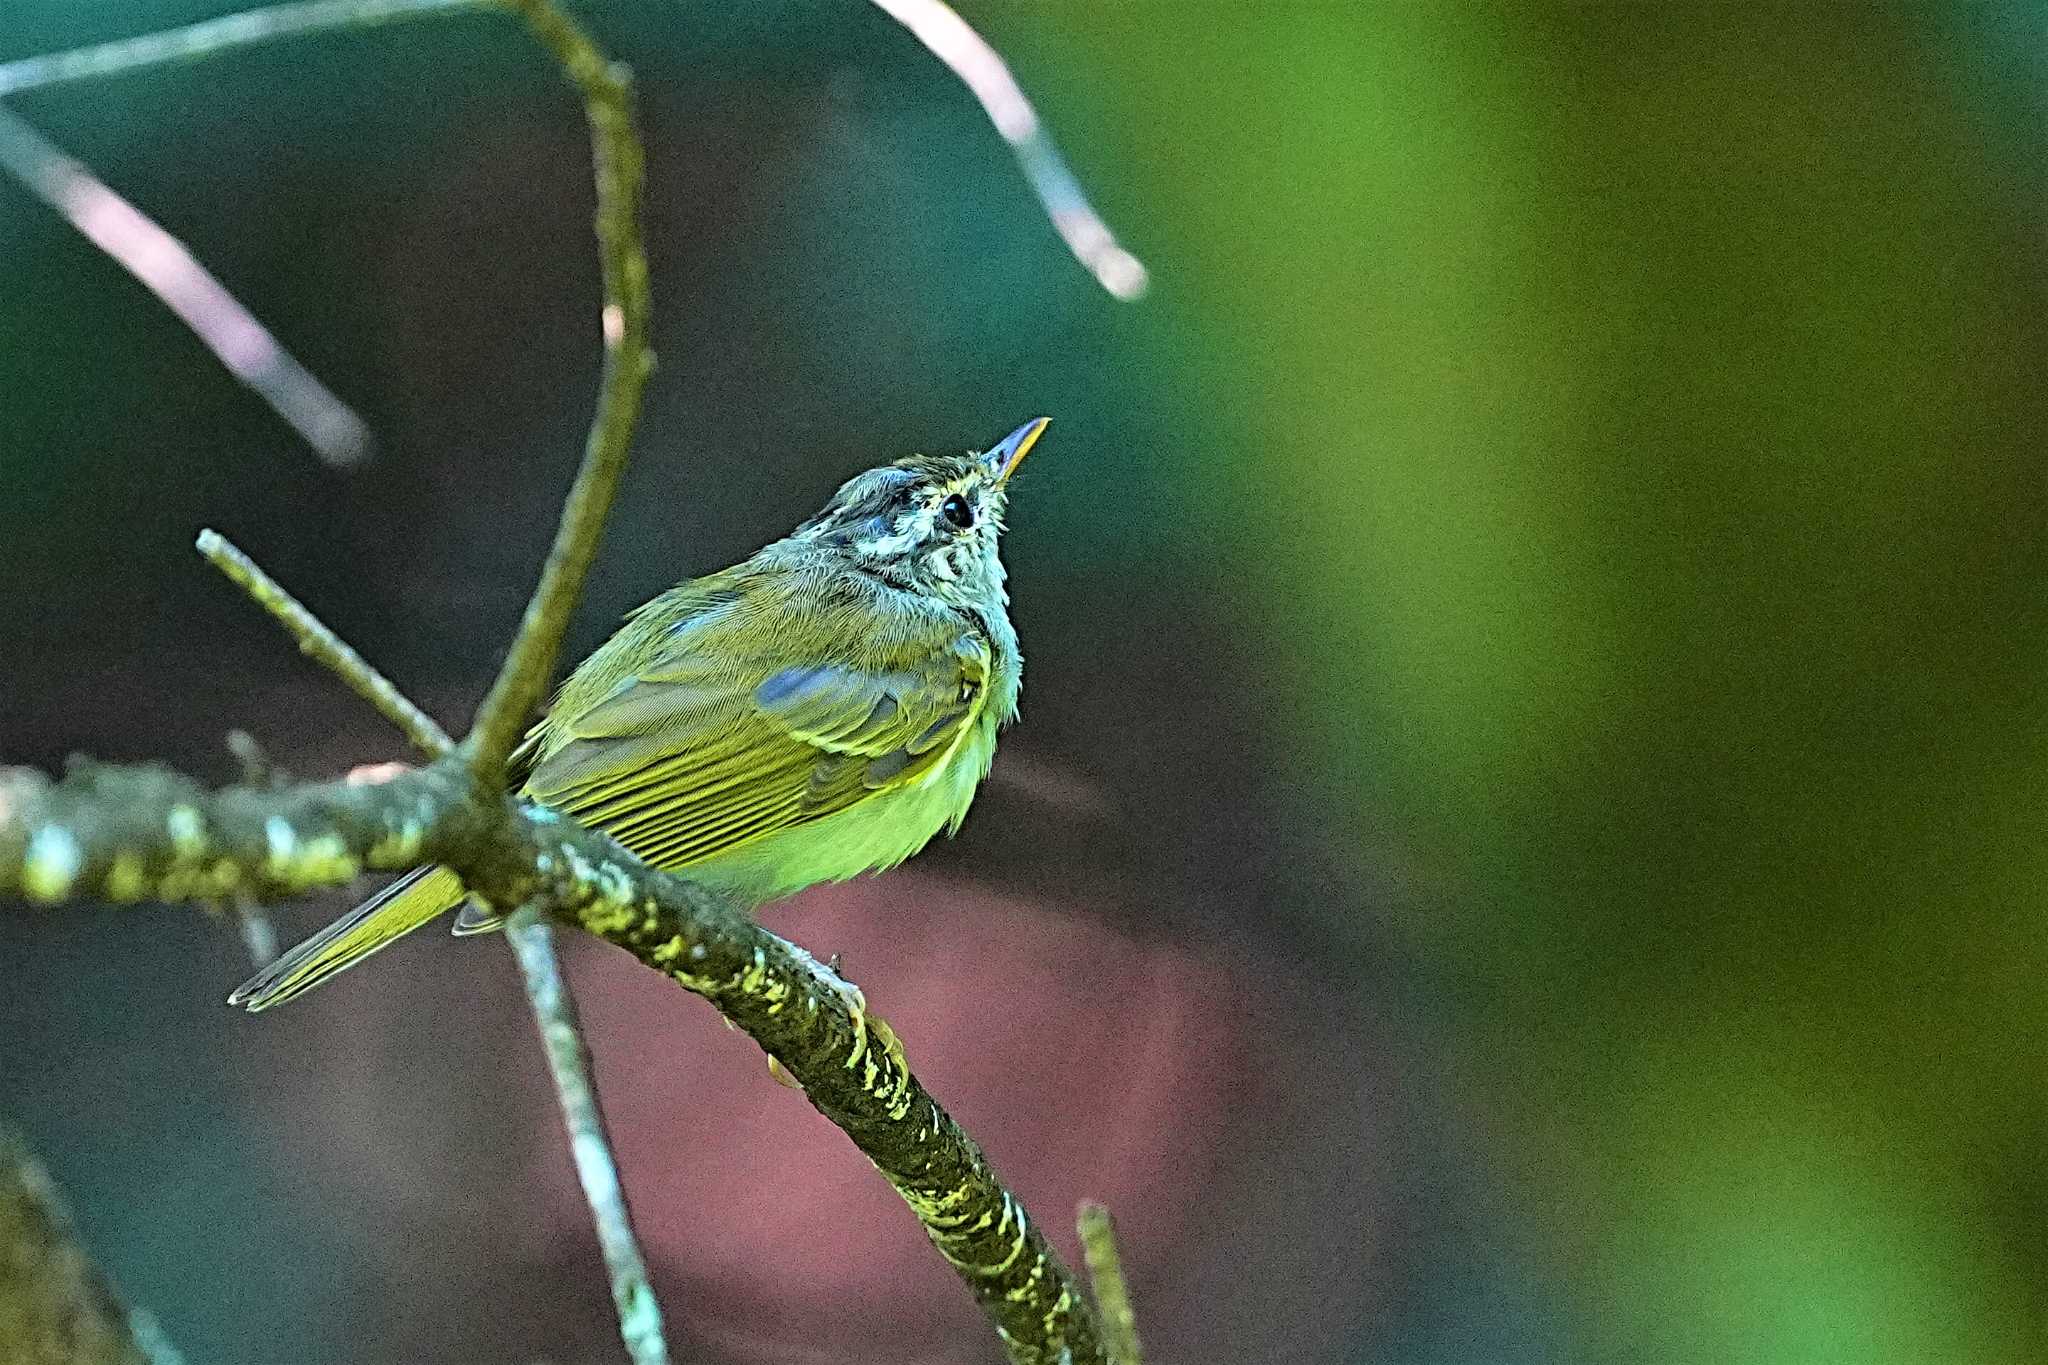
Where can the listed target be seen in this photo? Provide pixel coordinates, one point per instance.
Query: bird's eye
(956, 510)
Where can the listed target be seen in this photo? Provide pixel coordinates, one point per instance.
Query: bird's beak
(1004, 457)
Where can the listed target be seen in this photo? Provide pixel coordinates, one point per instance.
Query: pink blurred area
(1224, 1107)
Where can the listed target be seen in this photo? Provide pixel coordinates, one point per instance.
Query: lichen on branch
(129, 834)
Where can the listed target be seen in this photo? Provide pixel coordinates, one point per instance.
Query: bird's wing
(709, 744)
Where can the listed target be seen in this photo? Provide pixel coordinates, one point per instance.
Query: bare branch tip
(318, 642)
(1106, 1273)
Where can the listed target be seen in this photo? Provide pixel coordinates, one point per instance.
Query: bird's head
(928, 523)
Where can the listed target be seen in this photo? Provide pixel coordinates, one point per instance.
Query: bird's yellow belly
(877, 833)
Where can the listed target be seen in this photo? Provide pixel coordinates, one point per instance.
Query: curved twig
(628, 360)
(324, 647)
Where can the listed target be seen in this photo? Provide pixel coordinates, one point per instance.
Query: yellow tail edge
(413, 900)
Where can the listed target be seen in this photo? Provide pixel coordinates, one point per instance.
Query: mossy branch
(132, 834)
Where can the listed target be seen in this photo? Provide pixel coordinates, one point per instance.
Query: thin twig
(209, 38)
(1106, 1273)
(532, 940)
(982, 70)
(628, 360)
(259, 932)
(166, 269)
(323, 646)
(319, 643)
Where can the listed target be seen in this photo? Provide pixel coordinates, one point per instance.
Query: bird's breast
(875, 834)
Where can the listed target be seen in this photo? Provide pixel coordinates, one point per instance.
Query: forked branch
(547, 989)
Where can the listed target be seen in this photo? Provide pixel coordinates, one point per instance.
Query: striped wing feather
(712, 741)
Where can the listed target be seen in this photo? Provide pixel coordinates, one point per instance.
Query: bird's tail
(391, 914)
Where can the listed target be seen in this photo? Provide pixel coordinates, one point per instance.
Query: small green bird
(821, 710)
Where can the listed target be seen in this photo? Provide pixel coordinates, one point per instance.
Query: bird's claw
(849, 994)
(827, 975)
(835, 981)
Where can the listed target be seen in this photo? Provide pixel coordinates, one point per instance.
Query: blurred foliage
(1578, 477)
(1636, 419)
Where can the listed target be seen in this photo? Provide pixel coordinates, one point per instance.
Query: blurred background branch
(56, 1307)
(252, 917)
(984, 72)
(162, 265)
(1106, 1275)
(210, 38)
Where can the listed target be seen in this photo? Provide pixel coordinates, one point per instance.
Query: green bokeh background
(1603, 442)
(1629, 424)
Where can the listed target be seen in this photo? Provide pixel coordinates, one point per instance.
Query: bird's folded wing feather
(709, 744)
